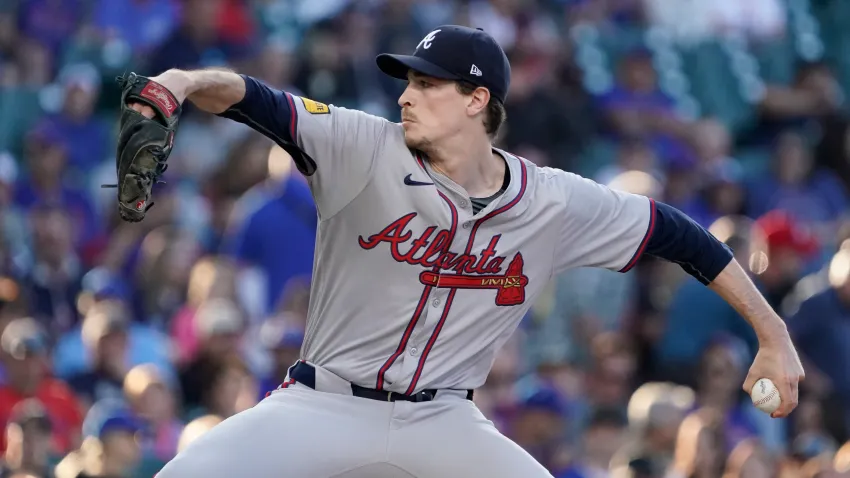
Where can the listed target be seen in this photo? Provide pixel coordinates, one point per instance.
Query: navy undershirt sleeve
(677, 238)
(272, 113)
(266, 110)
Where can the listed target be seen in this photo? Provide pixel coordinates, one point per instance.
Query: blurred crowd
(122, 343)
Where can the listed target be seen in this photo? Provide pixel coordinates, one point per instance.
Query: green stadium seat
(713, 83)
(21, 110)
(776, 60)
(596, 155)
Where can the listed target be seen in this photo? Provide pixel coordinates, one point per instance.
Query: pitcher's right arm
(340, 144)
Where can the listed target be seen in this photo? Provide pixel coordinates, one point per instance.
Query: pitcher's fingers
(787, 396)
(749, 383)
(145, 110)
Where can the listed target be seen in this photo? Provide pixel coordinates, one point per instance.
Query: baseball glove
(143, 143)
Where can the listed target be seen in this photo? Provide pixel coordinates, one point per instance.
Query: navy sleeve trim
(677, 238)
(272, 113)
(645, 241)
(293, 120)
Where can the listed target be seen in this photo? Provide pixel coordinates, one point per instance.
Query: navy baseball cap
(453, 52)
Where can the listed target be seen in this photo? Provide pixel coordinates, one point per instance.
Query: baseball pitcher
(431, 246)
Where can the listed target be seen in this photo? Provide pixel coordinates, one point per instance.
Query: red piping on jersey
(422, 301)
(646, 237)
(523, 183)
(293, 119)
(431, 342)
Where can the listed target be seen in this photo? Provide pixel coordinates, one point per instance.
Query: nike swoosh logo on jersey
(411, 182)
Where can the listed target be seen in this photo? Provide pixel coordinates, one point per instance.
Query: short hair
(496, 114)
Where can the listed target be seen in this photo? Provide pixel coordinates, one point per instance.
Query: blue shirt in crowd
(279, 237)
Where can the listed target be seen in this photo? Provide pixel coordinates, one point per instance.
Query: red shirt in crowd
(61, 405)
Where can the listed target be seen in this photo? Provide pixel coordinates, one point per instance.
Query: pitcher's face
(431, 109)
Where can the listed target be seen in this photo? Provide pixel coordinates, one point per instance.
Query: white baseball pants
(299, 432)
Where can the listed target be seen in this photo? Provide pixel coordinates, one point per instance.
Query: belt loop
(304, 373)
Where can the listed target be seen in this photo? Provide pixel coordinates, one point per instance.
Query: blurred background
(122, 343)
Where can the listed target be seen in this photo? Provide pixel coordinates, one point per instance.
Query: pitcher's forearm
(211, 90)
(735, 286)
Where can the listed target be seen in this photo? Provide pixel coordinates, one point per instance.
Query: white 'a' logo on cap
(426, 42)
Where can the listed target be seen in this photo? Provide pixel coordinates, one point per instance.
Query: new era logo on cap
(453, 52)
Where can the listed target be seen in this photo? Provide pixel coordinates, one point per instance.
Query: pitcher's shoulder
(546, 180)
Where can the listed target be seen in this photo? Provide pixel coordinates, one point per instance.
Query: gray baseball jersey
(411, 289)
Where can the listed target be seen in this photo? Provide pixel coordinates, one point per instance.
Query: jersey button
(466, 225)
(414, 351)
(436, 303)
(463, 204)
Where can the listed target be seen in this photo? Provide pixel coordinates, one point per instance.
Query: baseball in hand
(765, 396)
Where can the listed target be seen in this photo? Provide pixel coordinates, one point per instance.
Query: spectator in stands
(141, 25)
(14, 230)
(821, 334)
(783, 247)
(556, 133)
(749, 460)
(24, 354)
(28, 446)
(721, 193)
(540, 423)
(721, 372)
(636, 109)
(161, 272)
(604, 435)
(814, 196)
(275, 236)
(217, 379)
(655, 412)
(197, 42)
(498, 398)
(53, 279)
(719, 189)
(151, 399)
(50, 22)
(73, 355)
(105, 335)
(632, 155)
(814, 94)
(110, 451)
(47, 185)
(833, 148)
(284, 345)
(700, 447)
(86, 136)
(842, 460)
(211, 278)
(325, 60)
(195, 429)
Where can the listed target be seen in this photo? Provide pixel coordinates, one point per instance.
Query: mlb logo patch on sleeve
(314, 107)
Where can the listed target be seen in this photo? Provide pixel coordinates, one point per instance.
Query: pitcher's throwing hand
(778, 361)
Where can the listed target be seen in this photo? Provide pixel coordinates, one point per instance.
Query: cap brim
(397, 66)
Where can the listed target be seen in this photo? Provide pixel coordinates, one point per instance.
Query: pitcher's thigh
(285, 435)
(459, 445)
